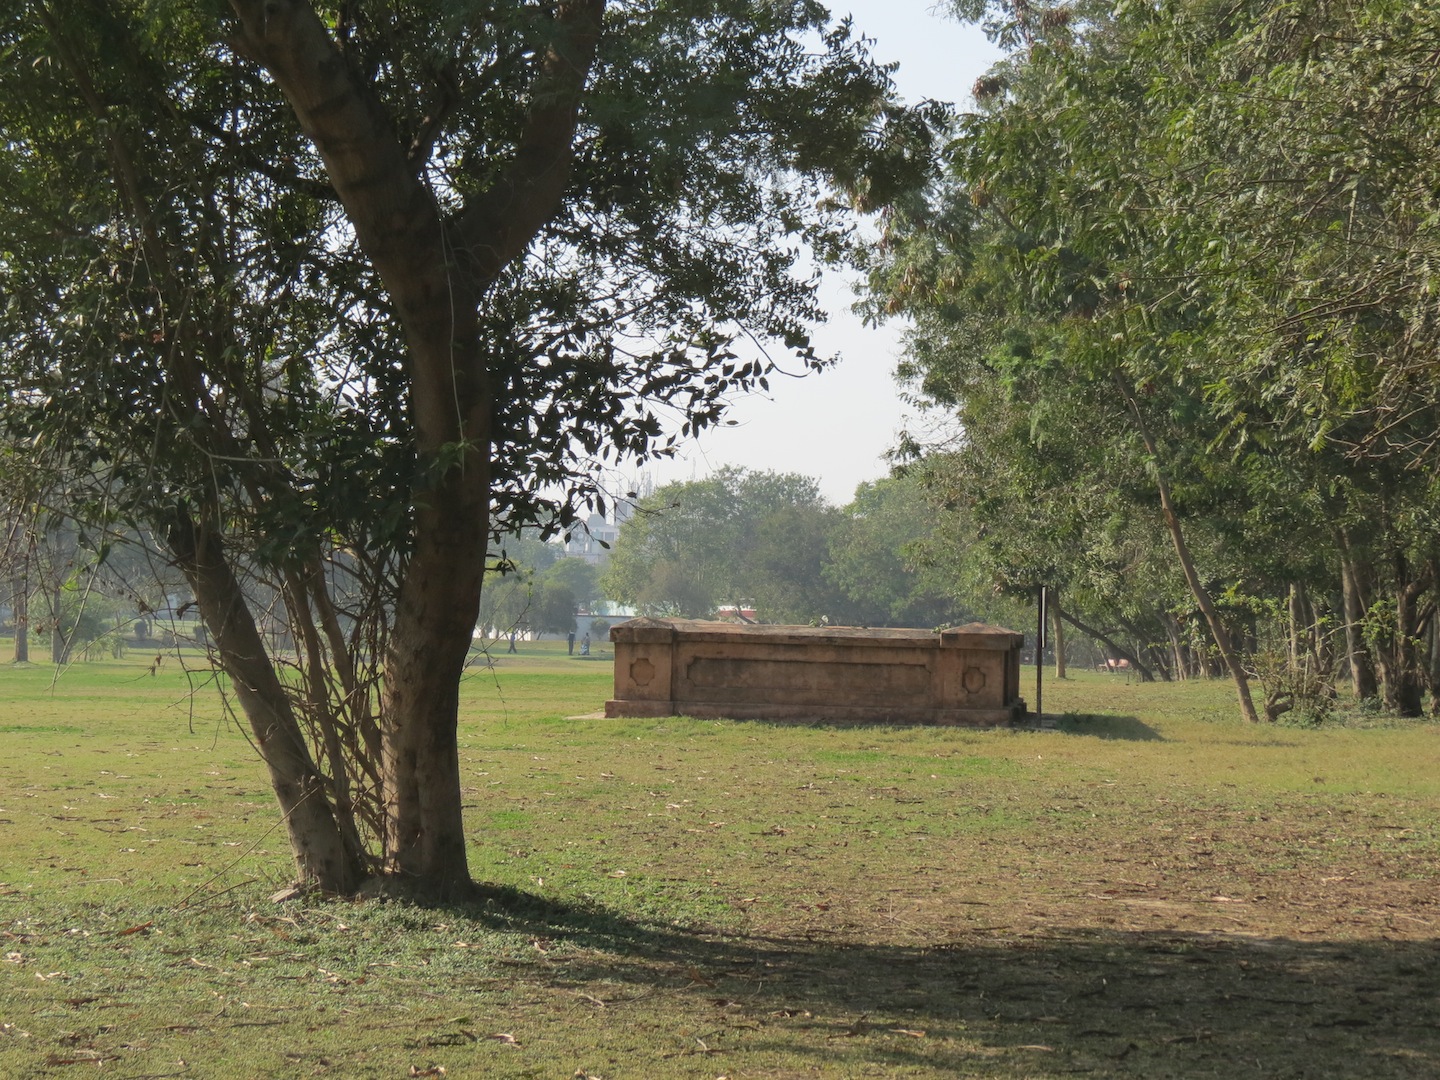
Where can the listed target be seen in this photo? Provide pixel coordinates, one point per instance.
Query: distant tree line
(69, 594)
(770, 541)
(531, 587)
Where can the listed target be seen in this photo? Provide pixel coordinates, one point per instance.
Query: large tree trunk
(322, 859)
(429, 643)
(1207, 607)
(436, 273)
(1401, 674)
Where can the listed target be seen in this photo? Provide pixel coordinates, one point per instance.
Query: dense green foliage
(700, 159)
(1176, 290)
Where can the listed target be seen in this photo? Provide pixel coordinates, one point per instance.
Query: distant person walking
(512, 643)
(570, 643)
(585, 646)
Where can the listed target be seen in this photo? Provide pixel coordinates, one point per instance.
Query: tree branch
(349, 126)
(1119, 650)
(498, 225)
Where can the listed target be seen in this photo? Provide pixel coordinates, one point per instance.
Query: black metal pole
(1040, 655)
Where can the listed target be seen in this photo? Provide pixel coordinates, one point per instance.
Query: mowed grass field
(1148, 889)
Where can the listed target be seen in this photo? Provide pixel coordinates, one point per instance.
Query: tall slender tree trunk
(22, 618)
(1202, 596)
(1297, 624)
(1057, 633)
(1228, 655)
(1362, 663)
(1433, 669)
(322, 858)
(1318, 645)
(1177, 649)
(1430, 636)
(58, 651)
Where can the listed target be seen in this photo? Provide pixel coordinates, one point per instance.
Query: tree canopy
(1175, 287)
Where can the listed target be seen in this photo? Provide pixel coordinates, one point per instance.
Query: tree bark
(59, 653)
(1297, 622)
(1433, 668)
(434, 620)
(1187, 564)
(1403, 678)
(1058, 631)
(321, 856)
(22, 619)
(1362, 664)
(322, 712)
(1318, 642)
(1172, 634)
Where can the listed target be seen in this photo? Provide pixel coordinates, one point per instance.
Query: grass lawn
(1150, 889)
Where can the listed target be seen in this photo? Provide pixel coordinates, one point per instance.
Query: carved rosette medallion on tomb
(642, 671)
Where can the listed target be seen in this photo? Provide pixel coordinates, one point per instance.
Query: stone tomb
(969, 675)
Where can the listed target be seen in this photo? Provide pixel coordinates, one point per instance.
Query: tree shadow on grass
(1059, 1002)
(1108, 727)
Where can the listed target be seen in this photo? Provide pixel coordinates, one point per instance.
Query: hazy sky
(837, 425)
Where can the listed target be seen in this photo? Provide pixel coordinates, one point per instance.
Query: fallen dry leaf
(859, 1027)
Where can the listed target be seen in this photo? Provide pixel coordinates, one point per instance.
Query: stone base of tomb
(965, 676)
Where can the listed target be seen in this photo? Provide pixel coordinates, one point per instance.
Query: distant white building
(589, 541)
(605, 613)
